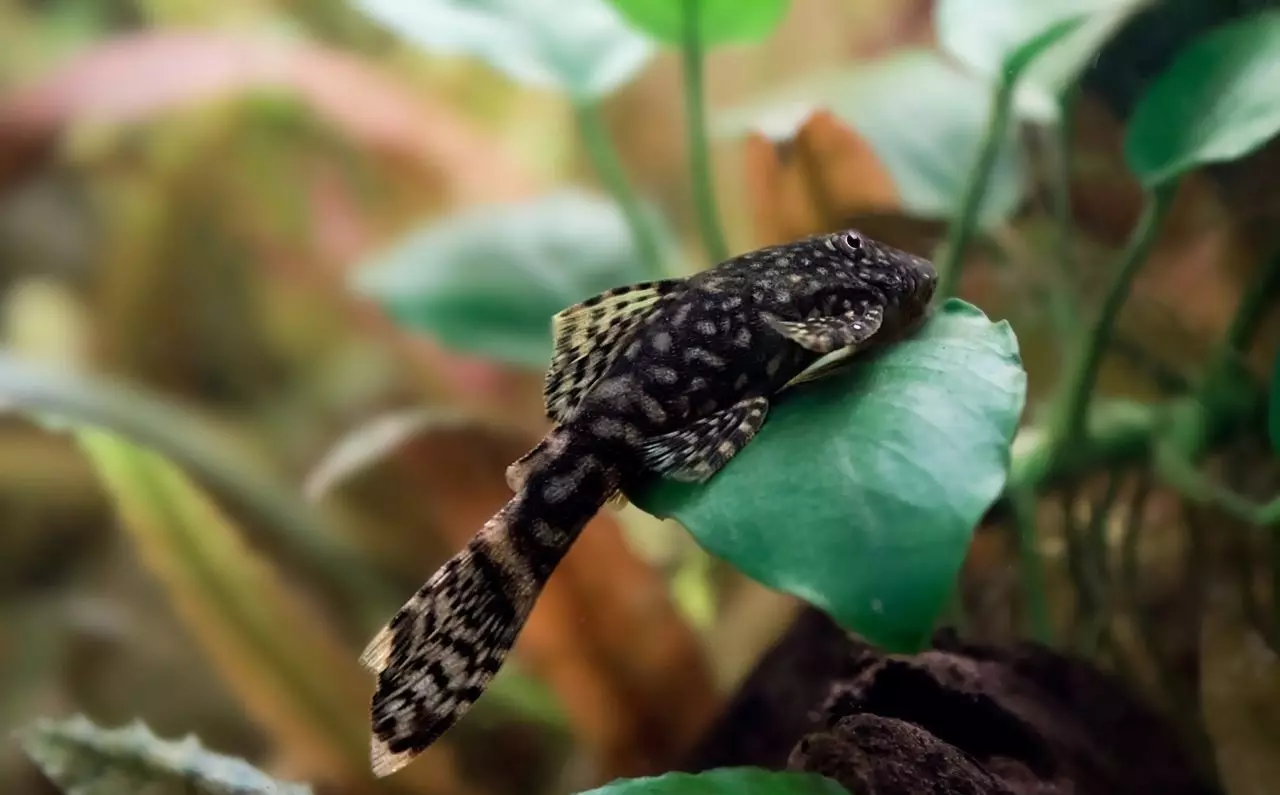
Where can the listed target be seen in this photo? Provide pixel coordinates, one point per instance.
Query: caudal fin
(439, 652)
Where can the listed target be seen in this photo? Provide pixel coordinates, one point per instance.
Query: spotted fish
(666, 378)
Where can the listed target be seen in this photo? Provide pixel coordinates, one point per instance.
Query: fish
(662, 379)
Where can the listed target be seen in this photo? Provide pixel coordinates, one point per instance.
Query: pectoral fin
(701, 449)
(826, 334)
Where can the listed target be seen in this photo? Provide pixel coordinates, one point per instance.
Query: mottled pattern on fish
(668, 378)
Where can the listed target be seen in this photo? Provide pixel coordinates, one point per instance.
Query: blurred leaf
(582, 47)
(138, 76)
(725, 781)
(291, 675)
(486, 281)
(1217, 102)
(922, 117)
(720, 21)
(1273, 408)
(814, 182)
(84, 759)
(991, 35)
(861, 492)
(64, 396)
(372, 441)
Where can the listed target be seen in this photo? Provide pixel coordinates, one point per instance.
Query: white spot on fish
(704, 356)
(664, 375)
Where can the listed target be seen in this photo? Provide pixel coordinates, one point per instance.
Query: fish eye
(852, 241)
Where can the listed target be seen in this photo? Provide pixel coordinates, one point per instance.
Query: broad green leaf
(488, 280)
(581, 47)
(861, 491)
(1216, 102)
(84, 759)
(923, 118)
(1273, 408)
(719, 21)
(61, 399)
(991, 36)
(725, 781)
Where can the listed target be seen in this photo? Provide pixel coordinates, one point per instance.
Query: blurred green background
(308, 253)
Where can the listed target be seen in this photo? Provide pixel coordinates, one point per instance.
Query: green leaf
(720, 21)
(60, 399)
(582, 47)
(487, 281)
(1273, 408)
(993, 36)
(84, 759)
(725, 781)
(923, 118)
(1215, 103)
(861, 491)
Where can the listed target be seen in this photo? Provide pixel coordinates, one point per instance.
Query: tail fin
(440, 651)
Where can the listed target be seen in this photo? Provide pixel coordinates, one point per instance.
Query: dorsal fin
(587, 336)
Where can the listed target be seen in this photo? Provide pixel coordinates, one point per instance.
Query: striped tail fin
(438, 654)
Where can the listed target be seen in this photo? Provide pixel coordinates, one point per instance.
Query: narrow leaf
(74, 399)
(292, 676)
(372, 441)
(85, 759)
(861, 491)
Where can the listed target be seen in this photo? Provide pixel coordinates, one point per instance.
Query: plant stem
(1081, 382)
(1062, 301)
(608, 166)
(1130, 539)
(1179, 472)
(696, 124)
(1023, 503)
(1253, 307)
(1098, 567)
(965, 221)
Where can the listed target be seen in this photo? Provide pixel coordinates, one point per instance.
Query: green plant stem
(951, 259)
(1062, 300)
(1080, 383)
(1223, 386)
(1130, 538)
(604, 156)
(1098, 567)
(1179, 472)
(1271, 632)
(1253, 307)
(1023, 502)
(696, 123)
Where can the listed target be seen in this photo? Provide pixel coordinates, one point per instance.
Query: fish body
(668, 378)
